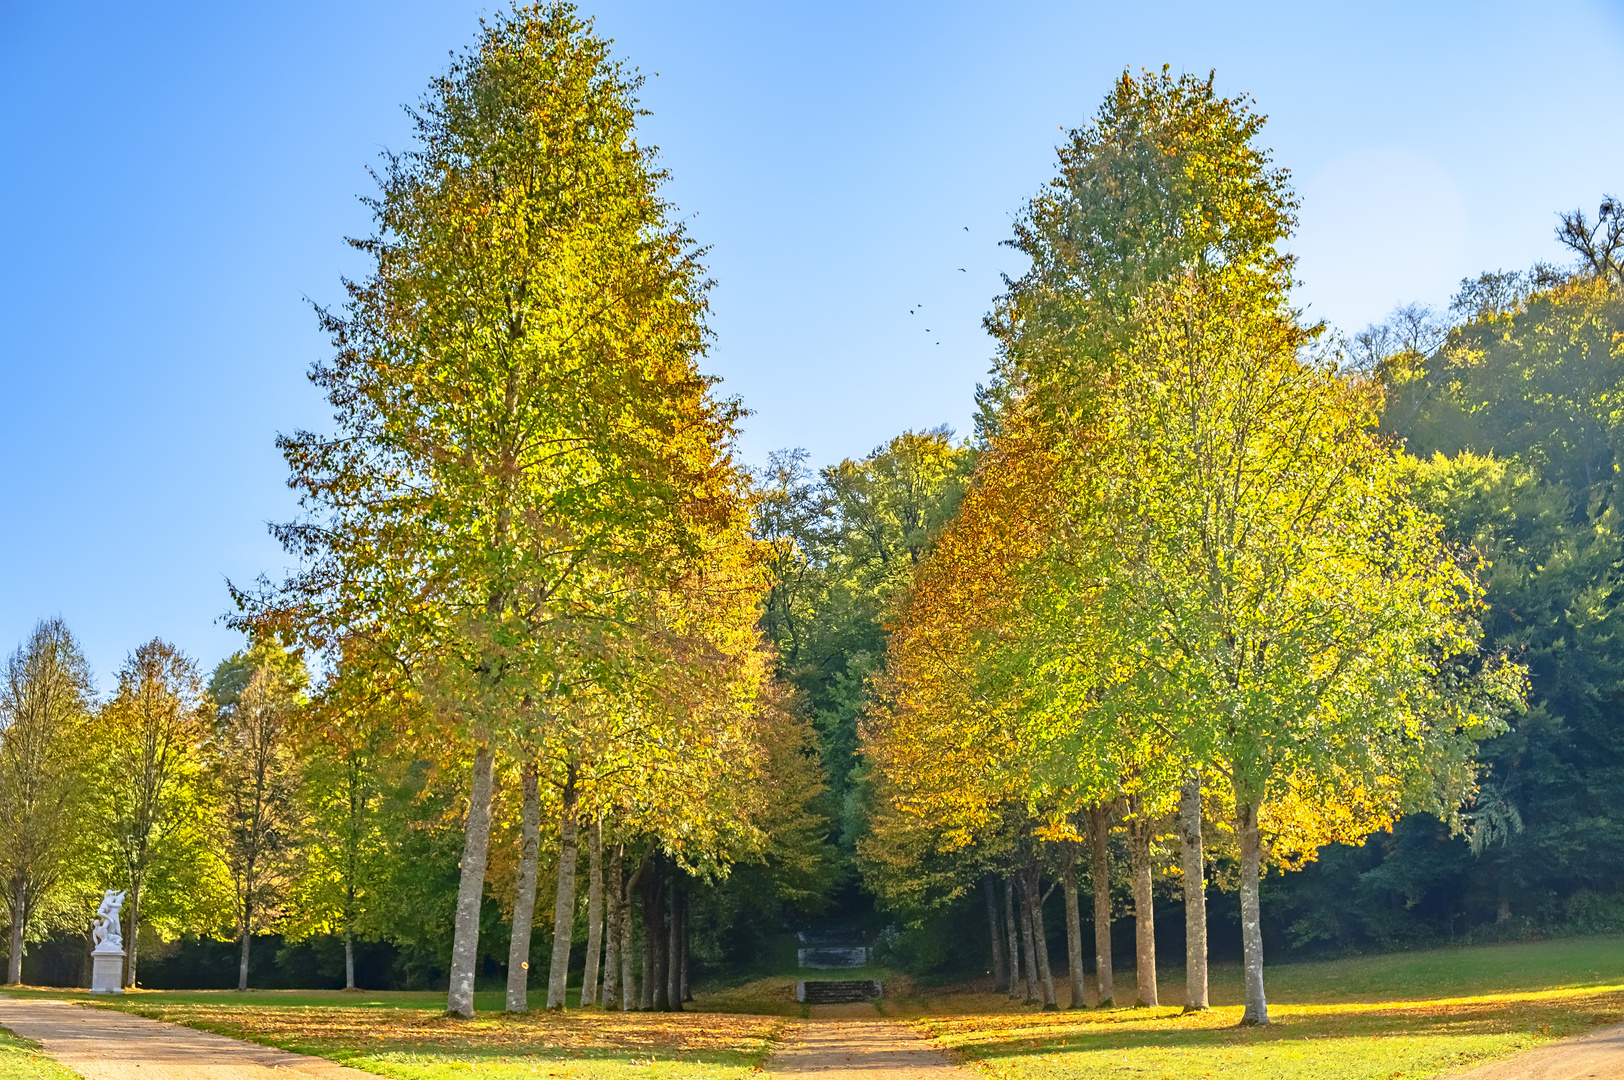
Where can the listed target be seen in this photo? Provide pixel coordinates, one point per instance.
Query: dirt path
(860, 1050)
(102, 1045)
(1600, 1054)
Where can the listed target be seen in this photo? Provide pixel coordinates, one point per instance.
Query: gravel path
(1600, 1054)
(860, 1050)
(102, 1045)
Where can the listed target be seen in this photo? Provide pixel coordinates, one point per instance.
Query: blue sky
(175, 180)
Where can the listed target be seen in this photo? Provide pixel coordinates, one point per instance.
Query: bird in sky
(962, 270)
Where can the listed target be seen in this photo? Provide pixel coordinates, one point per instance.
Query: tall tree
(151, 739)
(522, 429)
(44, 707)
(348, 743)
(257, 778)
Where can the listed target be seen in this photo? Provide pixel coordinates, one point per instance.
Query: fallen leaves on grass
(555, 1035)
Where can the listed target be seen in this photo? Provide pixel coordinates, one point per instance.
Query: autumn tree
(151, 737)
(348, 742)
(1322, 640)
(44, 712)
(256, 778)
(524, 444)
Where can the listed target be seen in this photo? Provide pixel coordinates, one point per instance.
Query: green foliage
(844, 547)
(47, 839)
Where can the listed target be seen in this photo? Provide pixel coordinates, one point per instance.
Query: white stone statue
(107, 936)
(107, 952)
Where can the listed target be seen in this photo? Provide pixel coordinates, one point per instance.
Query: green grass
(391, 1035)
(1409, 1015)
(1405, 1015)
(20, 1059)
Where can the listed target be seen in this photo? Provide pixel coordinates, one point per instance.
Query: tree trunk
(1195, 894)
(242, 962)
(1029, 940)
(673, 945)
(524, 893)
(628, 980)
(1144, 911)
(611, 955)
(1257, 1006)
(1100, 875)
(654, 997)
(687, 990)
(594, 917)
(349, 960)
(564, 904)
(132, 940)
(1000, 967)
(1045, 976)
(1012, 935)
(14, 966)
(1074, 930)
(476, 843)
(658, 932)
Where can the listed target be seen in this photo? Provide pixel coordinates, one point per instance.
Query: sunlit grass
(21, 1060)
(1384, 1016)
(421, 1044)
(1409, 1015)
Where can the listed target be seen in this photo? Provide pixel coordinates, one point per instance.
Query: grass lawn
(20, 1061)
(1406, 1015)
(405, 1035)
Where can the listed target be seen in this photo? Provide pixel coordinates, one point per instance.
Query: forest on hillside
(1223, 634)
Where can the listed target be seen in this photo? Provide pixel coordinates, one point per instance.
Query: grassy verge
(1408, 1015)
(21, 1060)
(393, 1039)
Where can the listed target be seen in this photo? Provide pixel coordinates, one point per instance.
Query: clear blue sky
(176, 178)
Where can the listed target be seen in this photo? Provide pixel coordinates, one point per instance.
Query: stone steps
(837, 991)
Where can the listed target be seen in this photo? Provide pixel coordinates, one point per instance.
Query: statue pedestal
(107, 971)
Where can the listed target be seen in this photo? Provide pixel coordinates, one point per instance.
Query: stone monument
(107, 953)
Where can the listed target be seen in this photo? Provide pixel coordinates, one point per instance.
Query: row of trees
(1189, 583)
(182, 795)
(525, 553)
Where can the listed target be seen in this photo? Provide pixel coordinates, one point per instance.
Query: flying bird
(962, 270)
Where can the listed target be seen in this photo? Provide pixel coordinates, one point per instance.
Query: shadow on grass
(586, 1036)
(1544, 1016)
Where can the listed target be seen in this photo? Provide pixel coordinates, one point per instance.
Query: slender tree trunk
(1144, 912)
(628, 980)
(594, 916)
(1099, 837)
(1074, 930)
(1000, 966)
(564, 905)
(1045, 976)
(132, 940)
(650, 894)
(658, 932)
(1195, 894)
(687, 937)
(476, 844)
(349, 960)
(524, 893)
(1257, 1006)
(1029, 940)
(247, 939)
(14, 968)
(1012, 935)
(612, 947)
(673, 945)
